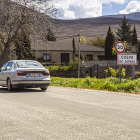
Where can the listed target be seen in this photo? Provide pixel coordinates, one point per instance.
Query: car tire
(43, 88)
(9, 85)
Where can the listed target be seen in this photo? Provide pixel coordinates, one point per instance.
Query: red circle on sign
(117, 49)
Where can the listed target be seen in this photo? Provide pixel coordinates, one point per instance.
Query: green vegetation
(23, 45)
(53, 68)
(115, 73)
(83, 40)
(109, 44)
(134, 37)
(71, 66)
(98, 41)
(108, 84)
(50, 35)
(74, 48)
(124, 32)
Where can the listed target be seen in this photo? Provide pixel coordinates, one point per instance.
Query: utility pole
(78, 55)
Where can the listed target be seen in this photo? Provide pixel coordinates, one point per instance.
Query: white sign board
(119, 47)
(127, 59)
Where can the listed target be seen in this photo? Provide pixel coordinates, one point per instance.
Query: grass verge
(108, 84)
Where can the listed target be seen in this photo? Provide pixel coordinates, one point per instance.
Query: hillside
(133, 16)
(90, 28)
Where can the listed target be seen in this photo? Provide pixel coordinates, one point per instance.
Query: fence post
(97, 70)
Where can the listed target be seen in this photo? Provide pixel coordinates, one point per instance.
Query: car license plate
(34, 75)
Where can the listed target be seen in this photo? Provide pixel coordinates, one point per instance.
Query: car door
(6, 73)
(1, 73)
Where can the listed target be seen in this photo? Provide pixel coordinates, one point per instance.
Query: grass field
(108, 84)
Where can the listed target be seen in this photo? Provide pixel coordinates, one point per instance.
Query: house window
(46, 57)
(89, 57)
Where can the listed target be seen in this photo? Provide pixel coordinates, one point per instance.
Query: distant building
(63, 52)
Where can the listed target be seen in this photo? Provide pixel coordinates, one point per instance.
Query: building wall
(56, 55)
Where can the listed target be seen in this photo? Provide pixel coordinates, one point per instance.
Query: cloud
(69, 14)
(133, 6)
(115, 1)
(82, 8)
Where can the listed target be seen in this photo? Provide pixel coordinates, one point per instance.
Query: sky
(74, 9)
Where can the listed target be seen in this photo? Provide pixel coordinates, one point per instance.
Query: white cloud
(69, 15)
(115, 1)
(133, 6)
(82, 8)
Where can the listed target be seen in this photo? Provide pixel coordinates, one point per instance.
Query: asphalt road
(68, 114)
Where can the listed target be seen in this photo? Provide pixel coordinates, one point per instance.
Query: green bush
(122, 73)
(71, 66)
(115, 73)
(137, 74)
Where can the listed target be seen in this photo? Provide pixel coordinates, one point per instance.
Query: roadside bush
(137, 74)
(115, 73)
(71, 66)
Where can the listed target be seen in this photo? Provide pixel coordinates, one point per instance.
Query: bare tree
(15, 14)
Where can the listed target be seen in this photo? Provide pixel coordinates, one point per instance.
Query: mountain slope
(89, 28)
(132, 16)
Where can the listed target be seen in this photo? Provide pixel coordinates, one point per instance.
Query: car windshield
(28, 64)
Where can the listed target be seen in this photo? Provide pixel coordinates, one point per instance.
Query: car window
(28, 64)
(9, 66)
(4, 67)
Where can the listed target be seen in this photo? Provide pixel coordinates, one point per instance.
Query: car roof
(20, 60)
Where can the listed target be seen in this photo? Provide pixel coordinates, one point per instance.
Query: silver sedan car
(24, 74)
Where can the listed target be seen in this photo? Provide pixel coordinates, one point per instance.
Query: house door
(65, 58)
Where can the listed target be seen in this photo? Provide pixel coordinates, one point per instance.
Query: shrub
(115, 73)
(137, 74)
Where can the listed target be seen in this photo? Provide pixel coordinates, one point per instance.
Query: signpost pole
(133, 72)
(120, 72)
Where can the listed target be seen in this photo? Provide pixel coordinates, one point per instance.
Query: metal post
(120, 69)
(133, 72)
(79, 56)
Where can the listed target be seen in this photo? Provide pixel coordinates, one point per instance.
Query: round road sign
(119, 47)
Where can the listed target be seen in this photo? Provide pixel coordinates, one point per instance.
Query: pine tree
(124, 32)
(74, 48)
(134, 37)
(138, 54)
(50, 35)
(109, 44)
(23, 45)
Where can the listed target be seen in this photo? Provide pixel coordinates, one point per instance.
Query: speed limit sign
(119, 47)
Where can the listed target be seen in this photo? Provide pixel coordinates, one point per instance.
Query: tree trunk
(5, 54)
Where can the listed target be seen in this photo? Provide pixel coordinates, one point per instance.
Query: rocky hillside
(89, 28)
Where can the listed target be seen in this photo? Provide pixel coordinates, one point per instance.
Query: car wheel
(43, 88)
(9, 85)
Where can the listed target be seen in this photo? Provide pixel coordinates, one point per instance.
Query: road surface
(68, 114)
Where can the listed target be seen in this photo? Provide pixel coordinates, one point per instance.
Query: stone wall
(99, 71)
(95, 70)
